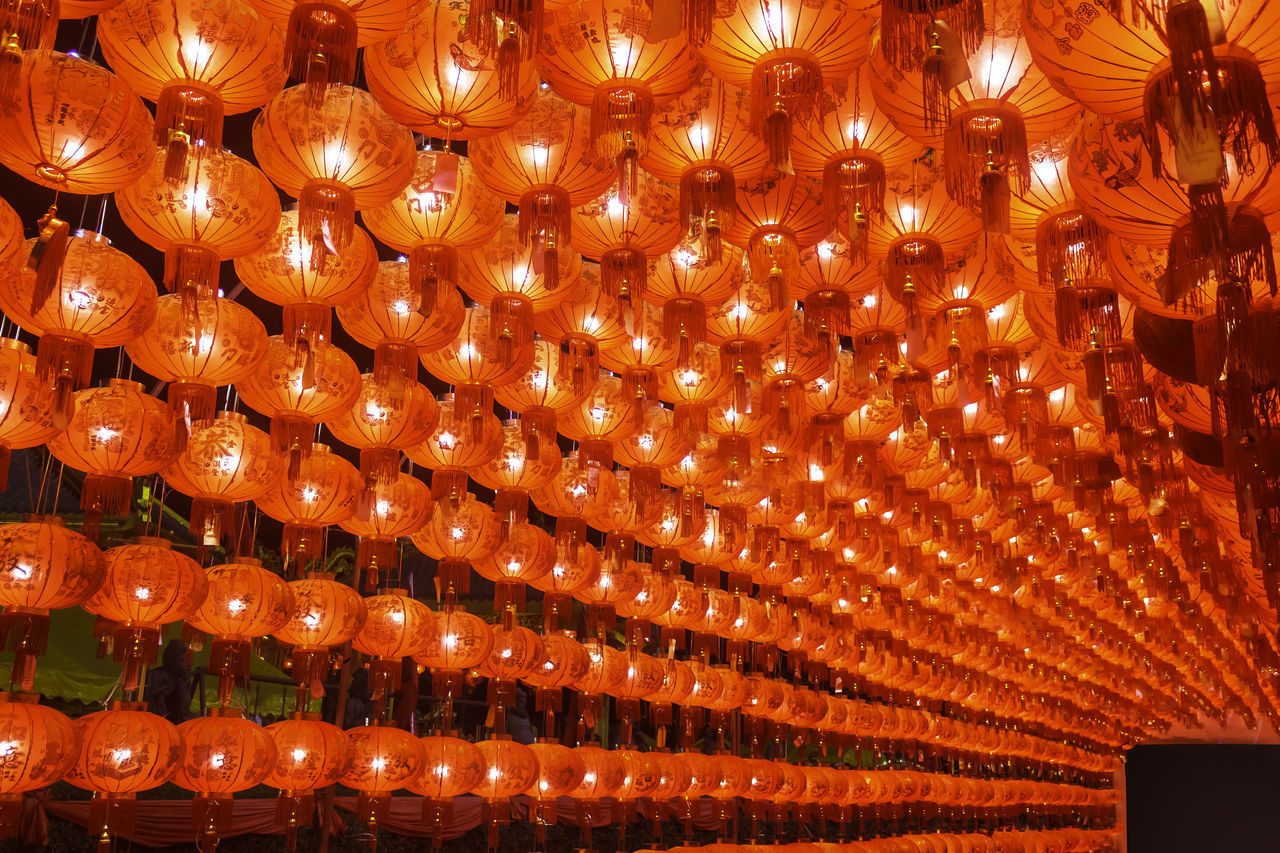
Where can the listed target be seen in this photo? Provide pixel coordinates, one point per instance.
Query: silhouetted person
(518, 724)
(359, 709)
(168, 690)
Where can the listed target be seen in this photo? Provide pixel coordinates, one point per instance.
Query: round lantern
(102, 143)
(118, 432)
(434, 79)
(297, 390)
(396, 627)
(336, 156)
(197, 63)
(383, 421)
(124, 750)
(325, 615)
(450, 767)
(27, 417)
(226, 461)
(510, 768)
(223, 345)
(443, 211)
(462, 641)
(99, 297)
(382, 516)
(221, 754)
(147, 585)
(560, 771)
(539, 395)
(477, 360)
(310, 755)
(461, 531)
(322, 492)
(43, 566)
(40, 744)
(243, 602)
(380, 759)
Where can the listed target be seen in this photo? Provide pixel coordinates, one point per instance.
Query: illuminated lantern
(452, 448)
(306, 279)
(604, 775)
(24, 26)
(451, 767)
(102, 143)
(545, 163)
(124, 750)
(474, 363)
(1005, 103)
(463, 640)
(336, 156)
(505, 275)
(380, 759)
(463, 530)
(512, 475)
(322, 492)
(243, 601)
(389, 318)
(147, 585)
(433, 78)
(688, 285)
(397, 627)
(515, 652)
(510, 768)
(850, 149)
(26, 405)
(394, 509)
(564, 662)
(625, 235)
(43, 566)
(703, 141)
(221, 754)
(560, 771)
(585, 324)
(654, 445)
(325, 615)
(297, 391)
(445, 210)
(381, 423)
(225, 344)
(620, 73)
(605, 416)
(118, 432)
(539, 394)
(99, 297)
(196, 63)
(310, 755)
(226, 462)
(781, 53)
(41, 744)
(739, 327)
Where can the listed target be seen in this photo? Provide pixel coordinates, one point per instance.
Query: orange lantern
(604, 775)
(310, 755)
(512, 474)
(544, 163)
(306, 279)
(463, 640)
(325, 614)
(391, 318)
(41, 745)
(297, 391)
(338, 155)
(460, 532)
(397, 627)
(776, 219)
(510, 768)
(560, 771)
(475, 362)
(380, 759)
(224, 345)
(781, 53)
(45, 567)
(196, 63)
(540, 396)
(24, 26)
(243, 602)
(124, 750)
(382, 516)
(221, 754)
(226, 461)
(619, 72)
(436, 79)
(98, 297)
(26, 405)
(322, 492)
(450, 767)
(381, 423)
(147, 585)
(215, 207)
(118, 432)
(103, 143)
(443, 211)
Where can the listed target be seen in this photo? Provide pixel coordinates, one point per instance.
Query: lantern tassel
(47, 255)
(994, 190)
(698, 18)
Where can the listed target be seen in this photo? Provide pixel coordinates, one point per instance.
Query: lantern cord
(44, 477)
(62, 467)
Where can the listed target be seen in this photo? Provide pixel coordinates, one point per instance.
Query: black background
(1204, 798)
